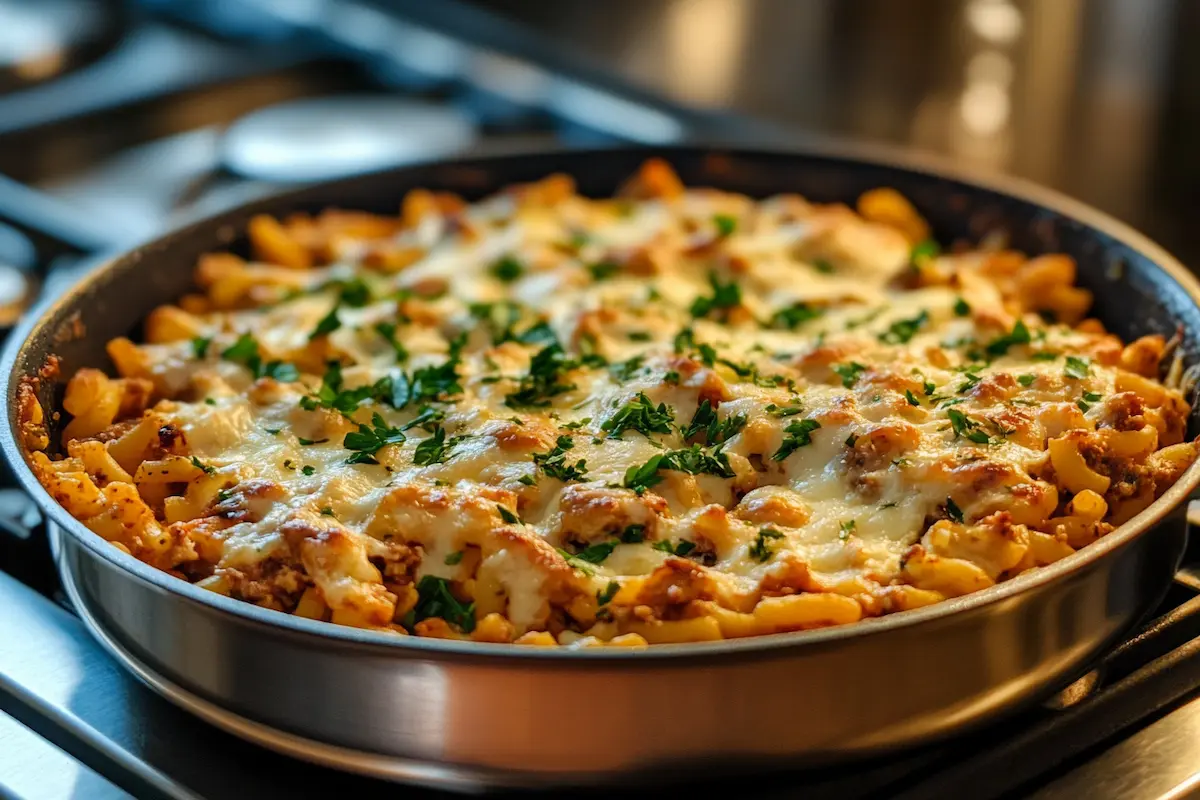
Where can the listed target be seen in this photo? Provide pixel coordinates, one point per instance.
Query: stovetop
(181, 117)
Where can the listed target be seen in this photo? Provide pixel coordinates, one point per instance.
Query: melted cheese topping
(816, 405)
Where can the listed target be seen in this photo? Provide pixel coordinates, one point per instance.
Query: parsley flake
(1077, 368)
(641, 415)
(682, 548)
(849, 373)
(715, 430)
(726, 224)
(327, 324)
(901, 331)
(795, 315)
(605, 596)
(205, 468)
(966, 427)
(435, 600)
(507, 269)
(554, 463)
(370, 439)
(797, 435)
(432, 450)
(761, 549)
(724, 296)
(1019, 335)
(508, 516)
(953, 511)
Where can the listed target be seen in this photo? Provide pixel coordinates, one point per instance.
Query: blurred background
(136, 111)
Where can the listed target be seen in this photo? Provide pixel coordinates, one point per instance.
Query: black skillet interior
(1134, 296)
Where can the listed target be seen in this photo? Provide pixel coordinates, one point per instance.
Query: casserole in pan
(786, 450)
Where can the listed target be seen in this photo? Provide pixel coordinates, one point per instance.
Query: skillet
(469, 715)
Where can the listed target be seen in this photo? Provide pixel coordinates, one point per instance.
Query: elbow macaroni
(682, 415)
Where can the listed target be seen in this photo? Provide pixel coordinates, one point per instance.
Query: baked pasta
(674, 416)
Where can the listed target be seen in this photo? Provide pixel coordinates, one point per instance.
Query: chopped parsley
(603, 270)
(682, 548)
(434, 599)
(430, 384)
(370, 439)
(966, 427)
(624, 370)
(205, 468)
(354, 292)
(1077, 368)
(797, 435)
(849, 373)
(388, 331)
(1026, 380)
(309, 442)
(795, 315)
(961, 308)
(972, 380)
(596, 553)
(605, 595)
(554, 463)
(327, 324)
(901, 331)
(308, 469)
(432, 450)
(331, 395)
(427, 419)
(846, 528)
(911, 398)
(824, 266)
(507, 269)
(641, 415)
(200, 346)
(245, 351)
(693, 460)
(761, 549)
(1088, 398)
(953, 511)
(726, 224)
(544, 379)
(724, 296)
(454, 559)
(924, 251)
(508, 516)
(715, 430)
(790, 410)
(633, 534)
(327, 512)
(1017, 336)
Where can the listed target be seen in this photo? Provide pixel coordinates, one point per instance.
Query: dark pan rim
(768, 645)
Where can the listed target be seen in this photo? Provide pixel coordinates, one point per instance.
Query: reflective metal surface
(496, 714)
(330, 137)
(1159, 761)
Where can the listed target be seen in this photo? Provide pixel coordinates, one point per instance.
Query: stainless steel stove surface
(176, 116)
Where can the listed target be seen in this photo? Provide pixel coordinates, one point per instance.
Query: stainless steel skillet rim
(665, 654)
